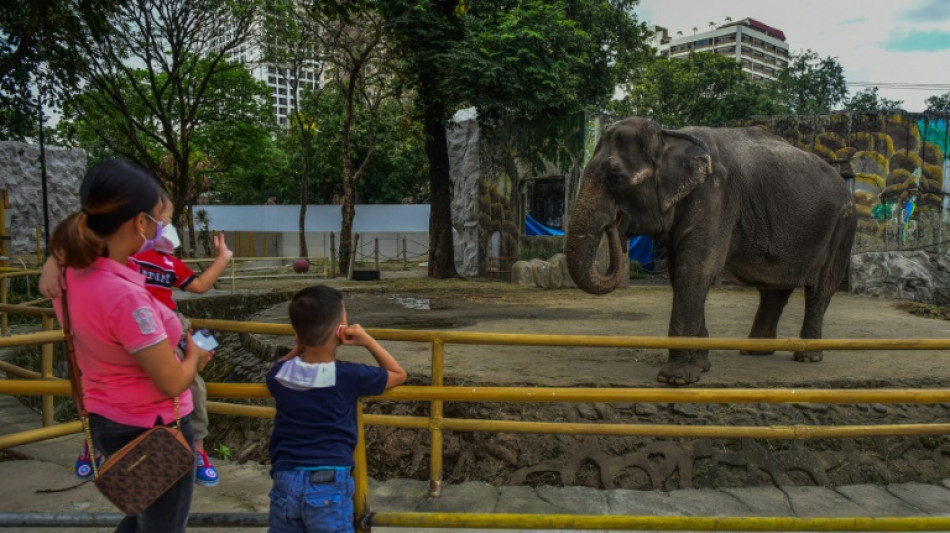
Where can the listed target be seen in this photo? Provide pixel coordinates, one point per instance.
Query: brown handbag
(142, 470)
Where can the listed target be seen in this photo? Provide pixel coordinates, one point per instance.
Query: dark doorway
(546, 201)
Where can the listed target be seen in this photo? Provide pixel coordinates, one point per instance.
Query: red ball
(301, 265)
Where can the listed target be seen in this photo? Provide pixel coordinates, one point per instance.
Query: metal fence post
(435, 421)
(360, 475)
(46, 372)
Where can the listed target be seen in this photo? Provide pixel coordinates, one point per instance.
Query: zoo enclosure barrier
(435, 423)
(328, 264)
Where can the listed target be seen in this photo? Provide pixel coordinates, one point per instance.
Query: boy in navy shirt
(311, 448)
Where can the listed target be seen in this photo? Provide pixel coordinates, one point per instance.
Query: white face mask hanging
(168, 240)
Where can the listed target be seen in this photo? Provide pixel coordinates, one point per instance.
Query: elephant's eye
(616, 179)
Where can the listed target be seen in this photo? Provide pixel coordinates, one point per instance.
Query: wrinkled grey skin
(741, 201)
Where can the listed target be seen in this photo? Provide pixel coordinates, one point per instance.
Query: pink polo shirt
(113, 316)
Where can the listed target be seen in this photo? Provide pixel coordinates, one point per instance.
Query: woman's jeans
(169, 513)
(312, 501)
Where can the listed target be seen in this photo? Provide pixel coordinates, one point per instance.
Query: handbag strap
(75, 379)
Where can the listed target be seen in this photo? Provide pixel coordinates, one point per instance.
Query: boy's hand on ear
(355, 335)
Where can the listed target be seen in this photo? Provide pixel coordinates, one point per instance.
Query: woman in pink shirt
(124, 337)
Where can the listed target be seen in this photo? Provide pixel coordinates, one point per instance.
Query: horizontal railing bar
(785, 432)
(664, 394)
(19, 371)
(20, 309)
(790, 432)
(13, 272)
(602, 341)
(27, 339)
(524, 394)
(665, 523)
(38, 434)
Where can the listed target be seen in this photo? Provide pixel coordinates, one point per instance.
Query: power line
(901, 85)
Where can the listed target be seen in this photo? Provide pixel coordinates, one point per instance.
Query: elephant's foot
(808, 357)
(683, 371)
(752, 352)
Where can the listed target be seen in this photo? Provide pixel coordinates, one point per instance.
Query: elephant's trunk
(583, 240)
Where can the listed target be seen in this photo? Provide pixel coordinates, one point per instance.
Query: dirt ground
(638, 463)
(642, 309)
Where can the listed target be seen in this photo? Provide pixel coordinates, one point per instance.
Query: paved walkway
(34, 468)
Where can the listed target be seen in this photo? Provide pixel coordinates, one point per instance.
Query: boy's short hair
(314, 313)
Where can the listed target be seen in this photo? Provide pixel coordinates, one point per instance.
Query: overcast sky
(894, 44)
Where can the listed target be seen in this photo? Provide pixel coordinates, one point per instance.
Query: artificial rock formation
(22, 179)
(463, 144)
(911, 275)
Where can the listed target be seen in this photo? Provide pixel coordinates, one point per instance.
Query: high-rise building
(760, 49)
(285, 87)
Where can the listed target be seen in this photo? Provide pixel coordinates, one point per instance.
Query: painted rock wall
(22, 179)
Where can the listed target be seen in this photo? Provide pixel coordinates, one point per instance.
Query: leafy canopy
(869, 100)
(811, 85)
(702, 88)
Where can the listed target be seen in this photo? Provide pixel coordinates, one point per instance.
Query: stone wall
(22, 179)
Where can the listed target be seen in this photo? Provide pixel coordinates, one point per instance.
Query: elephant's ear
(684, 165)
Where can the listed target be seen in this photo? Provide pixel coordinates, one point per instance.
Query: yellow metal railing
(5, 276)
(437, 393)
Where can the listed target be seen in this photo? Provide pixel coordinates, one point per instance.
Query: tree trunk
(349, 184)
(303, 198)
(441, 245)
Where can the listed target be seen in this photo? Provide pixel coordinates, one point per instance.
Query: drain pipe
(230, 520)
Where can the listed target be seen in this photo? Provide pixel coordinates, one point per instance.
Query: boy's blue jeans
(312, 501)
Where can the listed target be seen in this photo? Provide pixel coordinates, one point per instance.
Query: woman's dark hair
(112, 192)
(314, 313)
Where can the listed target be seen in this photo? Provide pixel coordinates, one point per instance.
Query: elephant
(742, 202)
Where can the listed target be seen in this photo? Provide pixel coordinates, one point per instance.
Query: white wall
(275, 229)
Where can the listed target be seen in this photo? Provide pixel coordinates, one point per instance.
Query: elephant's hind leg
(765, 326)
(816, 303)
(818, 296)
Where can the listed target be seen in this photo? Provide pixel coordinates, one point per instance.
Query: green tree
(701, 88)
(869, 100)
(397, 173)
(38, 63)
(157, 56)
(746, 100)
(292, 41)
(810, 85)
(360, 68)
(231, 135)
(938, 104)
(515, 58)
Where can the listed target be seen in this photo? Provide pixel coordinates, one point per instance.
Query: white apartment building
(759, 48)
(280, 80)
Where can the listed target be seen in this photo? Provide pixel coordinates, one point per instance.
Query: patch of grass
(925, 310)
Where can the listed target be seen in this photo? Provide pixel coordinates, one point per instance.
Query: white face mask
(168, 240)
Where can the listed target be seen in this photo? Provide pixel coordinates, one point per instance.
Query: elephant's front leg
(688, 319)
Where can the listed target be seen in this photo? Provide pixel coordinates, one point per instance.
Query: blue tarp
(641, 246)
